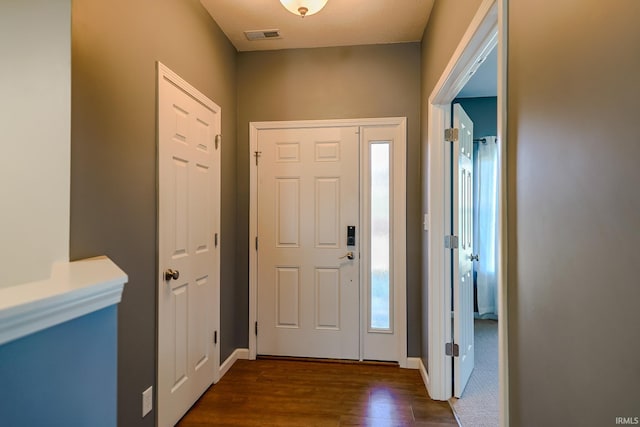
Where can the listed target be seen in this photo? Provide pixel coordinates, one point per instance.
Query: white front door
(308, 283)
(188, 258)
(462, 264)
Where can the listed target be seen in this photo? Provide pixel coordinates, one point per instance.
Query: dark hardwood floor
(306, 393)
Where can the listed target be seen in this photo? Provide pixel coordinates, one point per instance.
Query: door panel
(188, 197)
(327, 298)
(463, 264)
(288, 297)
(327, 218)
(308, 296)
(288, 212)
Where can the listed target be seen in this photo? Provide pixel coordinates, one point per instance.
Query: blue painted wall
(62, 376)
(484, 114)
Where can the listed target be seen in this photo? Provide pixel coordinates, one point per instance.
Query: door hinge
(256, 243)
(257, 155)
(256, 328)
(215, 240)
(451, 242)
(452, 349)
(215, 337)
(218, 140)
(451, 135)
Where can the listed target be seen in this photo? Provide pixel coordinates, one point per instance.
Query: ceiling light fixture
(304, 7)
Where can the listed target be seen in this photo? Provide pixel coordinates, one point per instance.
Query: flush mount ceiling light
(304, 7)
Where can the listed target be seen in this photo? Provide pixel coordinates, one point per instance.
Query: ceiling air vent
(262, 34)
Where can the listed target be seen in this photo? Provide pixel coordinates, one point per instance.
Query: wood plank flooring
(304, 393)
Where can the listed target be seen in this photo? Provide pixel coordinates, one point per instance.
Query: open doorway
(485, 33)
(476, 402)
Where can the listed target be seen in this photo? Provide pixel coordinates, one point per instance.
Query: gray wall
(62, 376)
(574, 211)
(331, 83)
(447, 23)
(573, 204)
(483, 113)
(115, 45)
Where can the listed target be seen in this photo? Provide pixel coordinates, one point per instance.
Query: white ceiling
(340, 23)
(484, 81)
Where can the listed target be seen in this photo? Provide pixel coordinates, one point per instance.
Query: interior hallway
(301, 393)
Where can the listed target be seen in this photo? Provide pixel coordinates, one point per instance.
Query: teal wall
(483, 112)
(63, 376)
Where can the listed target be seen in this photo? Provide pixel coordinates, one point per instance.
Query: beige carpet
(478, 406)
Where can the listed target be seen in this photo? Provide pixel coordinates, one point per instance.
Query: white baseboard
(416, 363)
(425, 375)
(413, 363)
(239, 353)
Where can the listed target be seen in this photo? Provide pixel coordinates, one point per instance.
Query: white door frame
(400, 303)
(487, 28)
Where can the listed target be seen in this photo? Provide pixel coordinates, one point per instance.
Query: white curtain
(486, 227)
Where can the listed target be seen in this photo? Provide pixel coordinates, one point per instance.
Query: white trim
(477, 42)
(439, 327)
(400, 240)
(425, 376)
(503, 315)
(487, 28)
(253, 233)
(413, 363)
(165, 73)
(400, 205)
(74, 289)
(238, 354)
(298, 124)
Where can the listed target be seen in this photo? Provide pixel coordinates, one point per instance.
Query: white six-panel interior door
(188, 246)
(462, 198)
(310, 292)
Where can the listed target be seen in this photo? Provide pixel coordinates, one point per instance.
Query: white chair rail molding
(74, 289)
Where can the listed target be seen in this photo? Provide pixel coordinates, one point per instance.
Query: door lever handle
(348, 255)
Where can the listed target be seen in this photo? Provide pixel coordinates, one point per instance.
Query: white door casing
(188, 244)
(462, 199)
(487, 29)
(308, 292)
(398, 340)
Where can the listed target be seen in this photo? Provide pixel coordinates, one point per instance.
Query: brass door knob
(171, 274)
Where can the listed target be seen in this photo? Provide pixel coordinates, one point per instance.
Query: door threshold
(327, 360)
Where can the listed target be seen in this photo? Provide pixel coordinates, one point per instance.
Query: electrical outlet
(147, 401)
